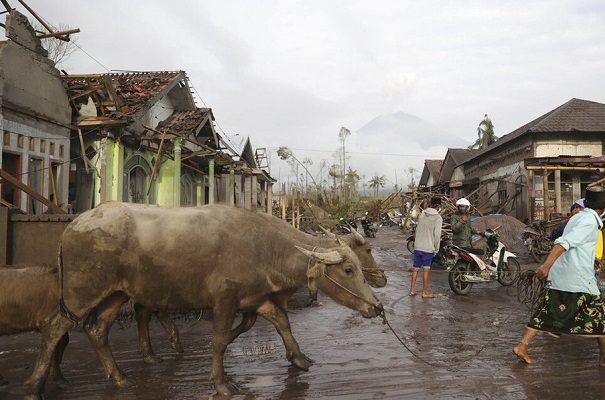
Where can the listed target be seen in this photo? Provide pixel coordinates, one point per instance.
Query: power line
(79, 47)
(216, 122)
(363, 153)
(94, 59)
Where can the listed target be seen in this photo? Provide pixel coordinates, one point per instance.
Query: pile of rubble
(509, 229)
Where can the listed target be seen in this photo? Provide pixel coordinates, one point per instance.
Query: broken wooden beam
(29, 191)
(60, 33)
(156, 163)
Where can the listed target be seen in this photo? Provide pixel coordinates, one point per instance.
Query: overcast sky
(293, 72)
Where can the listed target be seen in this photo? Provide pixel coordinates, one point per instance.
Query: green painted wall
(114, 162)
(163, 191)
(165, 184)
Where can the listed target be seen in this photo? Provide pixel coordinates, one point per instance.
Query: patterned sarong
(570, 313)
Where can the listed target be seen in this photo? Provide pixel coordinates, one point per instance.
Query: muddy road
(355, 358)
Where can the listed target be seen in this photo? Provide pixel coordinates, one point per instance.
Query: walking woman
(572, 303)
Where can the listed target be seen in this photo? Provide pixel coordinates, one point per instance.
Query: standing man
(461, 226)
(426, 244)
(572, 303)
(576, 207)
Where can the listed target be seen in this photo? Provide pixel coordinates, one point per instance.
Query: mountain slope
(402, 128)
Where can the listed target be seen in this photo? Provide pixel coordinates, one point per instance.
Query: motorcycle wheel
(457, 285)
(410, 246)
(537, 255)
(509, 271)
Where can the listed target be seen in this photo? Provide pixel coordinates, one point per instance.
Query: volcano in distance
(400, 129)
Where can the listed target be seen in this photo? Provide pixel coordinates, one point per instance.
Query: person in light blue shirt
(572, 302)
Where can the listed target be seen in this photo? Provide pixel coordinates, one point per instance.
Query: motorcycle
(476, 266)
(445, 257)
(369, 229)
(391, 218)
(412, 237)
(345, 226)
(537, 241)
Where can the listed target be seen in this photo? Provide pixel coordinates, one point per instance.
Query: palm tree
(376, 183)
(351, 180)
(485, 134)
(334, 172)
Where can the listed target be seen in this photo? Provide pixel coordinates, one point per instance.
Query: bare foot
(427, 296)
(520, 351)
(412, 293)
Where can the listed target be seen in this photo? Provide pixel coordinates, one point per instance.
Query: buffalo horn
(341, 242)
(327, 232)
(328, 258)
(358, 238)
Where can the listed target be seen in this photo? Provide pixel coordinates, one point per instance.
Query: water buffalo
(214, 257)
(29, 299)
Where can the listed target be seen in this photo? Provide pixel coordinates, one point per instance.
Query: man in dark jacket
(461, 226)
(576, 207)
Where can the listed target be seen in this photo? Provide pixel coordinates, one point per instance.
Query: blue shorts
(422, 259)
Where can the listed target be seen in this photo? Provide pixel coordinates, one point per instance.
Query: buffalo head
(337, 272)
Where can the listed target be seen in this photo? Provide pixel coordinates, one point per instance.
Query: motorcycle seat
(472, 250)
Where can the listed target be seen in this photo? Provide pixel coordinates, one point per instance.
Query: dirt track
(354, 358)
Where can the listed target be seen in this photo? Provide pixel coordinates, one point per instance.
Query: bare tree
(412, 185)
(286, 154)
(58, 50)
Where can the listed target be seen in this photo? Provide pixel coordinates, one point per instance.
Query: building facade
(35, 120)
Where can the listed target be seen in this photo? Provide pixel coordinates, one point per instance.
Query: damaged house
(539, 169)
(430, 174)
(35, 119)
(140, 138)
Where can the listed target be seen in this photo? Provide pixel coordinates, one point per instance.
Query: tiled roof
(576, 115)
(120, 95)
(135, 89)
(187, 122)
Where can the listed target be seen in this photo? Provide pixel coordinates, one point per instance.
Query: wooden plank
(52, 185)
(3, 235)
(100, 121)
(487, 201)
(199, 171)
(563, 168)
(29, 191)
(198, 153)
(558, 191)
(6, 5)
(506, 203)
(156, 163)
(86, 92)
(595, 183)
(86, 161)
(36, 16)
(545, 198)
(530, 195)
(60, 33)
